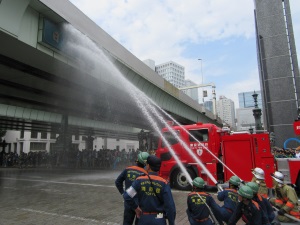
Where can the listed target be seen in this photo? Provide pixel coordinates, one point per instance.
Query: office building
(226, 111)
(246, 99)
(278, 67)
(244, 114)
(172, 72)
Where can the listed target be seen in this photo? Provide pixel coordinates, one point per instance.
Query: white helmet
(259, 173)
(278, 176)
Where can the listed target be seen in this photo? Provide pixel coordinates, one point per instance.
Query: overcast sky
(220, 32)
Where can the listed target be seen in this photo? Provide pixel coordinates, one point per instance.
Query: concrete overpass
(41, 84)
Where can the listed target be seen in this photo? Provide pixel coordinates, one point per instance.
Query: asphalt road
(60, 196)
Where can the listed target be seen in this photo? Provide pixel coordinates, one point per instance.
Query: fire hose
(287, 215)
(210, 211)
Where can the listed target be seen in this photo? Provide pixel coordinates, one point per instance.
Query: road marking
(56, 214)
(59, 182)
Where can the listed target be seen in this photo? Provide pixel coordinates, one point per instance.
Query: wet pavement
(57, 196)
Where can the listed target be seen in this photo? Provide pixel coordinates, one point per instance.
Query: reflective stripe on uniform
(131, 191)
(290, 205)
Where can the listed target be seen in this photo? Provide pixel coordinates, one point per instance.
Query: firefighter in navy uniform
(197, 211)
(128, 176)
(263, 202)
(153, 195)
(230, 198)
(285, 200)
(247, 209)
(259, 178)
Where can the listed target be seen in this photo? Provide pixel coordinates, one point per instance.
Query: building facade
(278, 67)
(172, 72)
(246, 99)
(226, 111)
(244, 114)
(26, 141)
(193, 93)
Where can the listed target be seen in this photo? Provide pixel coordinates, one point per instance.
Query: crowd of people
(148, 199)
(85, 159)
(286, 153)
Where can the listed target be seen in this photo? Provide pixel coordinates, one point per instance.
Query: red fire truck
(239, 151)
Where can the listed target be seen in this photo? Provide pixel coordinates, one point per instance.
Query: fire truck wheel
(180, 181)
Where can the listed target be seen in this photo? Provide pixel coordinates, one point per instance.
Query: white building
(18, 141)
(150, 63)
(193, 93)
(172, 72)
(226, 111)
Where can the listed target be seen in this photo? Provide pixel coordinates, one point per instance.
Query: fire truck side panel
(294, 165)
(237, 155)
(212, 168)
(268, 166)
(263, 157)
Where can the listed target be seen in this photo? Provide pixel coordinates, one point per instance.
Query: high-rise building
(244, 114)
(278, 67)
(246, 99)
(193, 92)
(172, 72)
(226, 112)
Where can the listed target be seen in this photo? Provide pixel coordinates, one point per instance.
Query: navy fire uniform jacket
(155, 200)
(266, 207)
(128, 175)
(230, 198)
(197, 209)
(251, 214)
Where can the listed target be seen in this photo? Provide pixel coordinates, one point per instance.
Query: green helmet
(142, 157)
(245, 192)
(254, 186)
(198, 182)
(235, 180)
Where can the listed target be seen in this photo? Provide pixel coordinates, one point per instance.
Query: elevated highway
(41, 84)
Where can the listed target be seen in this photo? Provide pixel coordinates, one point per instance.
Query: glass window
(170, 138)
(200, 135)
(34, 134)
(34, 146)
(22, 134)
(43, 135)
(52, 135)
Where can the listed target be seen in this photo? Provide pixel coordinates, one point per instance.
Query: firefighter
(263, 202)
(150, 196)
(285, 200)
(259, 178)
(198, 203)
(248, 209)
(230, 198)
(129, 175)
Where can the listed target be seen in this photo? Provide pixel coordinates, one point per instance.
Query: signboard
(52, 34)
(297, 127)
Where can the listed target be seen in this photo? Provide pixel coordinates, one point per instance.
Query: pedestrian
(230, 198)
(127, 176)
(297, 152)
(150, 196)
(259, 178)
(285, 200)
(263, 202)
(247, 209)
(198, 203)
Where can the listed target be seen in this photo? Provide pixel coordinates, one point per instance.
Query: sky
(219, 32)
